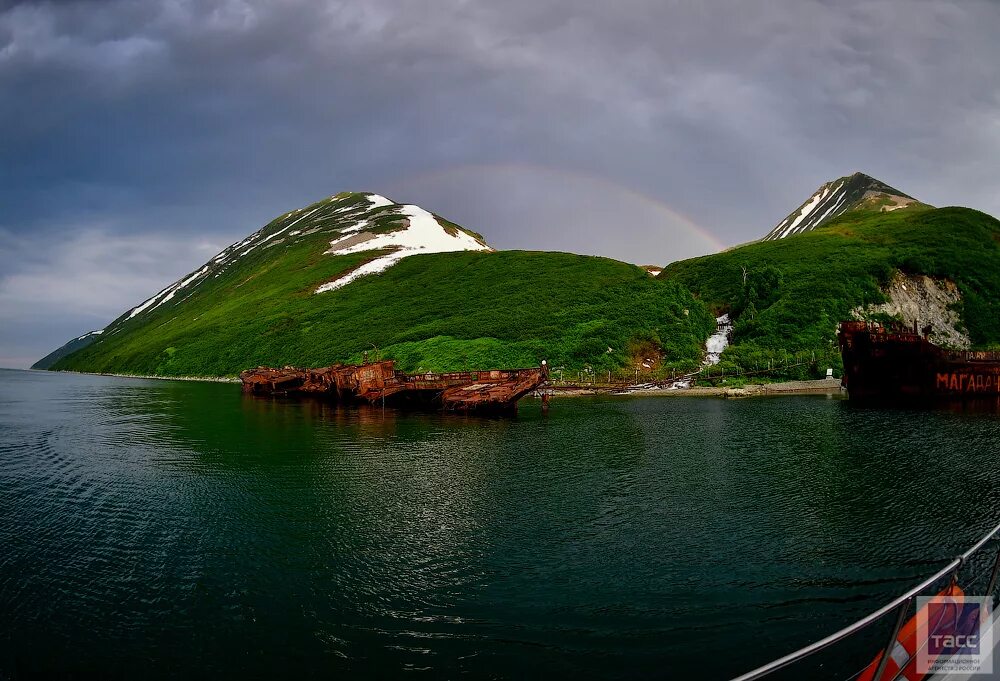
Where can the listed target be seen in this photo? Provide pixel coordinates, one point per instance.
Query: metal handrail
(864, 622)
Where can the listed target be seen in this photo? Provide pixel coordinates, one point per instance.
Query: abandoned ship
(897, 363)
(496, 390)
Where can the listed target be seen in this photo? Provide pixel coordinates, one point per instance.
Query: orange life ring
(903, 653)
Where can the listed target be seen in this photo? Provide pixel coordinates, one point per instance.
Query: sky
(140, 137)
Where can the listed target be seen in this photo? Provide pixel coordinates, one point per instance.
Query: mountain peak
(345, 223)
(857, 191)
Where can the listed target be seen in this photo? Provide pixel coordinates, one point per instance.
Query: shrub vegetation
(787, 296)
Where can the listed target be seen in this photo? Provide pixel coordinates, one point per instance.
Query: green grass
(515, 308)
(798, 288)
(430, 312)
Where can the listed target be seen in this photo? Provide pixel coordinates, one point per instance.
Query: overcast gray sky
(141, 137)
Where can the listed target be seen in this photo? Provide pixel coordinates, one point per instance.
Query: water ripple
(167, 529)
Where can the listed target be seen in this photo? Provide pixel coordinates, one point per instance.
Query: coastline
(203, 379)
(816, 387)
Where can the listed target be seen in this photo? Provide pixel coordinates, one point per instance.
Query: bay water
(170, 529)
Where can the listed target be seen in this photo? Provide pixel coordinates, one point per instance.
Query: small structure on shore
(494, 390)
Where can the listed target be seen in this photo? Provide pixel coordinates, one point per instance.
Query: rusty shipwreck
(895, 362)
(495, 390)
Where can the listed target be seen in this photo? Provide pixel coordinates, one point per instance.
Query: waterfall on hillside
(718, 341)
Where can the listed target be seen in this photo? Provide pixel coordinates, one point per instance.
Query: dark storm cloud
(162, 129)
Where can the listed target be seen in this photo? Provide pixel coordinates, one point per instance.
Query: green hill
(786, 296)
(257, 303)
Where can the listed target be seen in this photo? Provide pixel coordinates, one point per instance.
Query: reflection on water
(169, 528)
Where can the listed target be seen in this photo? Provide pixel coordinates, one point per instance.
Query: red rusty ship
(897, 363)
(495, 390)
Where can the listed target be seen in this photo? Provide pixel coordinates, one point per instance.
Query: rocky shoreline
(819, 387)
(203, 379)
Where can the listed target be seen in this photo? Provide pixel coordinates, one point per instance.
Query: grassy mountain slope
(436, 311)
(66, 349)
(796, 289)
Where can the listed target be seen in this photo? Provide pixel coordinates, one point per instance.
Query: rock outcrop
(929, 301)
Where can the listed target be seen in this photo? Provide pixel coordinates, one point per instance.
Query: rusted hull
(884, 364)
(379, 383)
(492, 394)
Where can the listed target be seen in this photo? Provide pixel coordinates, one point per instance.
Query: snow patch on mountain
(145, 306)
(167, 293)
(835, 208)
(422, 234)
(379, 201)
(809, 207)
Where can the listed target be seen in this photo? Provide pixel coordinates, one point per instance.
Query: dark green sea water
(159, 529)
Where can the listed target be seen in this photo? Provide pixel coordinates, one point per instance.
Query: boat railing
(974, 355)
(900, 606)
(485, 375)
(898, 332)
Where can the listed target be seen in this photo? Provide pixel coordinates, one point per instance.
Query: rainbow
(588, 182)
